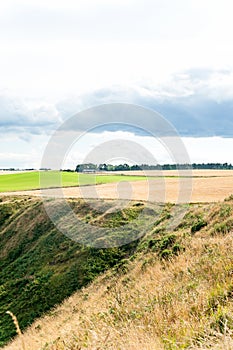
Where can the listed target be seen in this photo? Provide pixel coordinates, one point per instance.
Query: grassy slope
(39, 266)
(170, 291)
(31, 180)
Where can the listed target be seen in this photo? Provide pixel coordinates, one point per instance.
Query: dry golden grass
(18, 330)
(182, 303)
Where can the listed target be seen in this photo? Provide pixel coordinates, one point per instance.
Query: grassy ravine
(39, 266)
(168, 290)
(31, 180)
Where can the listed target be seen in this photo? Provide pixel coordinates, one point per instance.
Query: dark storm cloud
(194, 115)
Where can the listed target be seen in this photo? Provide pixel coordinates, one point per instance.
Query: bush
(198, 225)
(222, 227)
(5, 212)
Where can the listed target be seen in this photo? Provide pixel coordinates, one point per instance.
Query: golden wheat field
(199, 186)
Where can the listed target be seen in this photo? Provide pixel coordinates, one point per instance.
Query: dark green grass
(40, 266)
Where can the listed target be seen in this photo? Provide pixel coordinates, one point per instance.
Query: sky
(58, 58)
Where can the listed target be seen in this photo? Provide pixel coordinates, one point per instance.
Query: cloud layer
(198, 103)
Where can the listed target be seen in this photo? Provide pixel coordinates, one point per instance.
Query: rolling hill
(166, 290)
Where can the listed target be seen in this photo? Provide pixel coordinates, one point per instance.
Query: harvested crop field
(175, 173)
(205, 185)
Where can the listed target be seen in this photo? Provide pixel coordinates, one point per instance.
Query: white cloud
(200, 150)
(209, 149)
(54, 48)
(16, 113)
(58, 57)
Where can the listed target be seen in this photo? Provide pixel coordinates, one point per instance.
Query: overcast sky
(60, 57)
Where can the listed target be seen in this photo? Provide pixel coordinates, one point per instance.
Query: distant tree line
(90, 167)
(16, 169)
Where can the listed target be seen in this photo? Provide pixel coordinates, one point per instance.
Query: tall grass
(183, 301)
(18, 330)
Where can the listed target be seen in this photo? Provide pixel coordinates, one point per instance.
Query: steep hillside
(39, 266)
(168, 290)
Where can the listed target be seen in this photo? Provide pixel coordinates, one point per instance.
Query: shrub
(222, 227)
(198, 225)
(5, 212)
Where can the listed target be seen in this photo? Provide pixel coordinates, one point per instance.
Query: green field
(37, 180)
